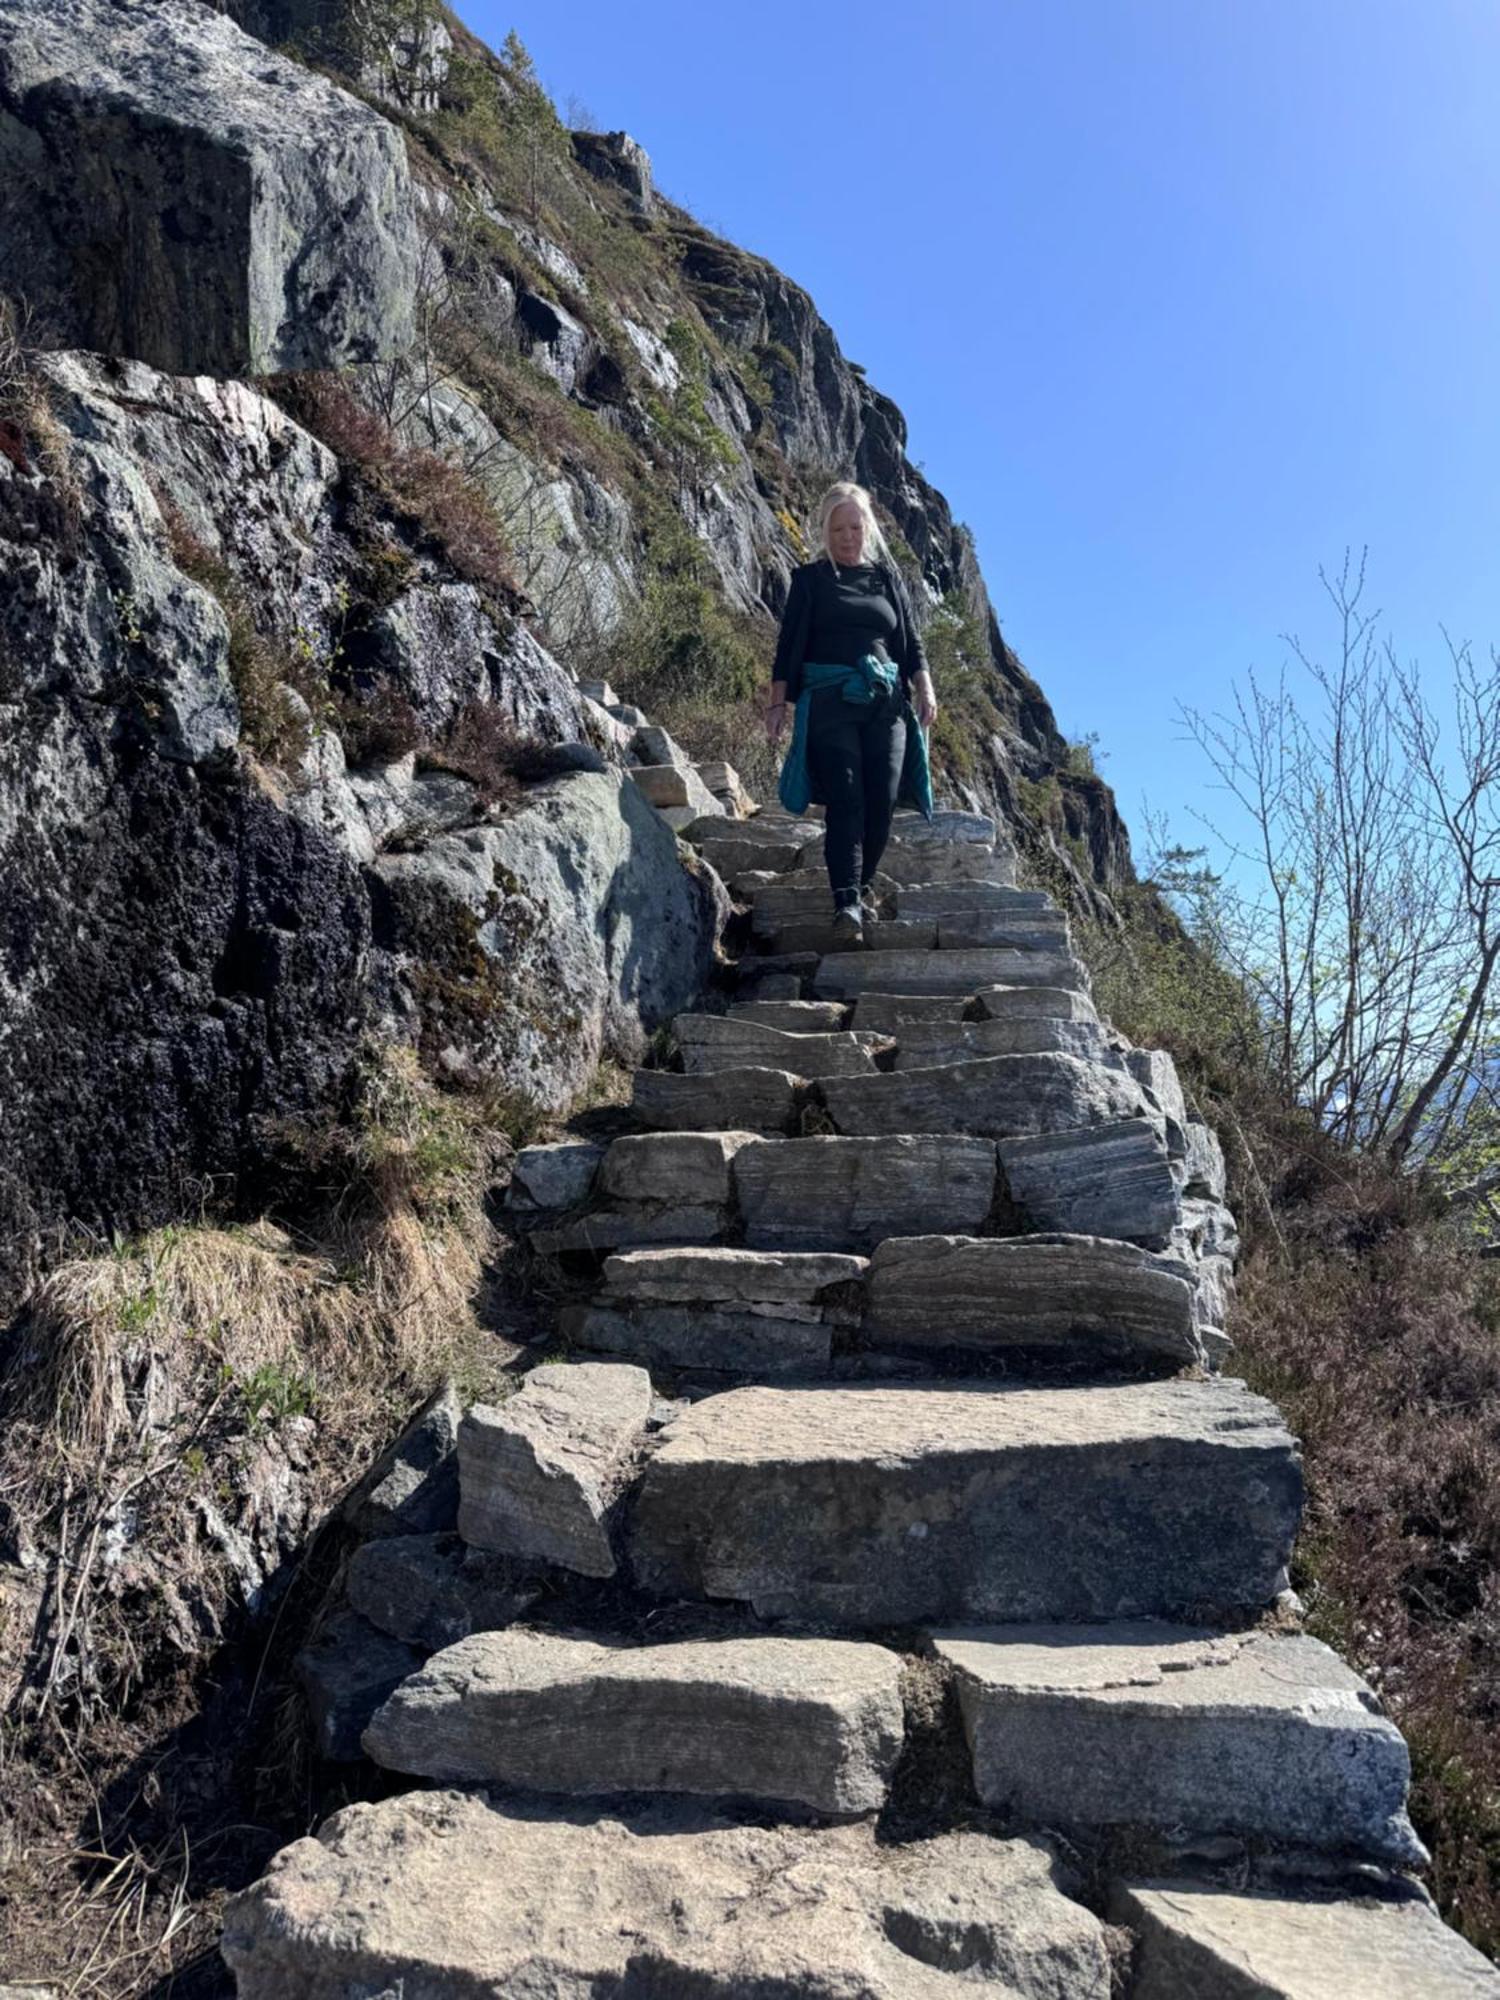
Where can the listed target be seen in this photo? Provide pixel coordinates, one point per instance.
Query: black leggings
(854, 758)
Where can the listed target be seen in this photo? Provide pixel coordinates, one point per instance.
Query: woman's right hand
(775, 713)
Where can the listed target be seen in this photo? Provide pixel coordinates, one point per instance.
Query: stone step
(794, 1017)
(950, 899)
(886, 1013)
(816, 934)
(864, 1507)
(1182, 1731)
(847, 974)
(991, 1097)
(540, 1476)
(673, 786)
(1101, 1180)
(727, 1275)
(1082, 1299)
(701, 1339)
(1034, 1003)
(724, 1310)
(1198, 1940)
(748, 1097)
(653, 1187)
(441, 1894)
(922, 1044)
(846, 1194)
(711, 1042)
(911, 866)
(810, 1722)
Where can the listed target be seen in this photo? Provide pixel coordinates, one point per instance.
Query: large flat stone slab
(888, 1013)
(1019, 930)
(1102, 1180)
(846, 1194)
(796, 1017)
(912, 865)
(706, 1338)
(720, 1041)
(1158, 1726)
(990, 1097)
(1034, 1003)
(872, 1506)
(813, 1722)
(748, 1097)
(444, 1897)
(1086, 1298)
(951, 899)
(725, 1275)
(539, 1476)
(843, 975)
(1198, 1943)
(924, 1044)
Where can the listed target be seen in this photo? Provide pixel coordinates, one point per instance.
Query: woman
(848, 609)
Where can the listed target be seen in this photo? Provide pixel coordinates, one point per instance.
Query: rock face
(1246, 1733)
(539, 1476)
(1199, 1943)
(814, 1721)
(175, 193)
(873, 1506)
(581, 898)
(482, 1901)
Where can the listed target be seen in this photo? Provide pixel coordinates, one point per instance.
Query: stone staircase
(891, 1599)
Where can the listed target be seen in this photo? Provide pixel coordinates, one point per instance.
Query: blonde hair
(875, 549)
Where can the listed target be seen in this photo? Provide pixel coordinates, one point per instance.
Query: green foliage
(681, 647)
(272, 1393)
(694, 446)
(957, 646)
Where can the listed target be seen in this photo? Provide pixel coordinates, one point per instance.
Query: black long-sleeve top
(839, 613)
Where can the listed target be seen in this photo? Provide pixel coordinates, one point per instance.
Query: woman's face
(846, 532)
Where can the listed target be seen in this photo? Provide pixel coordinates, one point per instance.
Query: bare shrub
(440, 499)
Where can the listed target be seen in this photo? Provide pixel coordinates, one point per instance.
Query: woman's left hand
(923, 700)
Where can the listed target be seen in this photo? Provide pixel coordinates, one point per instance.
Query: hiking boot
(848, 928)
(869, 902)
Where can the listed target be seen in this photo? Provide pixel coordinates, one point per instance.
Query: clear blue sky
(1179, 298)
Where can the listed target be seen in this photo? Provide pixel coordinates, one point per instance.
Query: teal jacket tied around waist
(861, 685)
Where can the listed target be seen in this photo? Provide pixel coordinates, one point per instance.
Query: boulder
(571, 925)
(413, 1487)
(430, 1590)
(1259, 1734)
(813, 1722)
(176, 193)
(554, 1176)
(872, 1506)
(446, 1895)
(1201, 1943)
(539, 1476)
(346, 1672)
